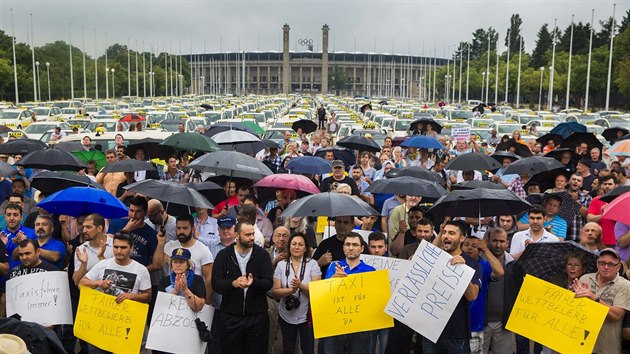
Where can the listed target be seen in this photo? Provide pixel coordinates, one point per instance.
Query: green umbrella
(96, 156)
(254, 125)
(191, 142)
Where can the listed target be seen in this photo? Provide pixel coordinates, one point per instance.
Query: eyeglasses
(607, 264)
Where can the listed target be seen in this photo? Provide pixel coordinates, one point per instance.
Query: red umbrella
(132, 118)
(618, 209)
(288, 181)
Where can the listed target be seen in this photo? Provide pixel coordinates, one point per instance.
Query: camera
(292, 302)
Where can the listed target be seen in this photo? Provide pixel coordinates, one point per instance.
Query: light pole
(203, 85)
(550, 87)
(106, 83)
(483, 82)
(113, 84)
(151, 83)
(446, 82)
(39, 83)
(48, 77)
(542, 73)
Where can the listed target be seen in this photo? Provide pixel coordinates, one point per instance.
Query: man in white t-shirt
(201, 256)
(97, 246)
(120, 276)
(535, 233)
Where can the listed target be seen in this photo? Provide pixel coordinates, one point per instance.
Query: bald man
(591, 236)
(158, 217)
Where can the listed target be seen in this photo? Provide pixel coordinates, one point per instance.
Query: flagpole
(507, 69)
(569, 70)
(552, 67)
(610, 54)
(588, 67)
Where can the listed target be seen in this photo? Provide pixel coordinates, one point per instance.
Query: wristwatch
(597, 299)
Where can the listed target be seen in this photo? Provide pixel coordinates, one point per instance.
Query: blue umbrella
(77, 201)
(567, 128)
(422, 141)
(309, 164)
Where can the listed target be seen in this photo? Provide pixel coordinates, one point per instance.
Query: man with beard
(97, 246)
(423, 231)
(242, 273)
(331, 249)
(51, 250)
(29, 253)
(15, 233)
(456, 335)
(575, 190)
(158, 217)
(200, 255)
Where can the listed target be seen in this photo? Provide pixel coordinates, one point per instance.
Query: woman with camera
(290, 284)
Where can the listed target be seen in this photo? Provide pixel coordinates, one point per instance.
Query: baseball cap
(610, 251)
(181, 253)
(226, 221)
(338, 163)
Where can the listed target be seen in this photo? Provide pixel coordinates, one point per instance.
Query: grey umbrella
(129, 165)
(6, 170)
(170, 192)
(52, 160)
(234, 136)
(533, 165)
(480, 202)
(417, 172)
(49, 182)
(330, 205)
(232, 164)
(408, 186)
(473, 161)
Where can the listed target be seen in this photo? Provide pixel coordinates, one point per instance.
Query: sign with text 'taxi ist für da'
(350, 304)
(110, 326)
(552, 316)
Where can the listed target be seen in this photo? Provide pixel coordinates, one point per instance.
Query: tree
(544, 42)
(338, 78)
(514, 34)
(603, 36)
(479, 44)
(624, 22)
(581, 36)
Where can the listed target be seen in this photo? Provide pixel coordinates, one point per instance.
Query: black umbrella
(152, 148)
(249, 148)
(473, 161)
(6, 170)
(611, 133)
(557, 139)
(365, 107)
(212, 191)
(170, 192)
(49, 182)
(408, 186)
(128, 165)
(533, 165)
(340, 154)
(68, 146)
(238, 140)
(474, 184)
(545, 260)
(270, 144)
(577, 138)
(330, 205)
(52, 160)
(21, 146)
(519, 149)
(478, 203)
(437, 127)
(361, 143)
(500, 155)
(225, 126)
(206, 106)
(307, 126)
(547, 180)
(417, 172)
(557, 154)
(625, 137)
(231, 163)
(610, 196)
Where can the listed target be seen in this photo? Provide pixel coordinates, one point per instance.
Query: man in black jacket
(243, 274)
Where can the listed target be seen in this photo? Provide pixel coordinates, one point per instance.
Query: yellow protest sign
(350, 304)
(552, 316)
(110, 326)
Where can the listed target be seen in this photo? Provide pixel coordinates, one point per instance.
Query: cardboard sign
(110, 326)
(396, 267)
(173, 318)
(428, 293)
(460, 134)
(552, 316)
(42, 298)
(350, 304)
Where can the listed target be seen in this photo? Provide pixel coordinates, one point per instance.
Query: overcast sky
(406, 26)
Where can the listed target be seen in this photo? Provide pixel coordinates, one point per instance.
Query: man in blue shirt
(351, 264)
(51, 250)
(15, 232)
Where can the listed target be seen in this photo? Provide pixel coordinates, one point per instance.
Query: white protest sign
(459, 134)
(42, 297)
(173, 318)
(428, 293)
(396, 267)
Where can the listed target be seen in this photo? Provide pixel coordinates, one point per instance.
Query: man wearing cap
(608, 288)
(201, 257)
(583, 168)
(338, 175)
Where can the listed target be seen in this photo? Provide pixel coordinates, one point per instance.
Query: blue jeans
(446, 346)
(381, 335)
(289, 337)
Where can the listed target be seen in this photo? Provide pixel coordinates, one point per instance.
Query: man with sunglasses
(608, 288)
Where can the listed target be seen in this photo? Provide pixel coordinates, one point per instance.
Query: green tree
(339, 79)
(544, 42)
(514, 34)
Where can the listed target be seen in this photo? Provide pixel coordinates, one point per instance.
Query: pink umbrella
(288, 181)
(618, 209)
